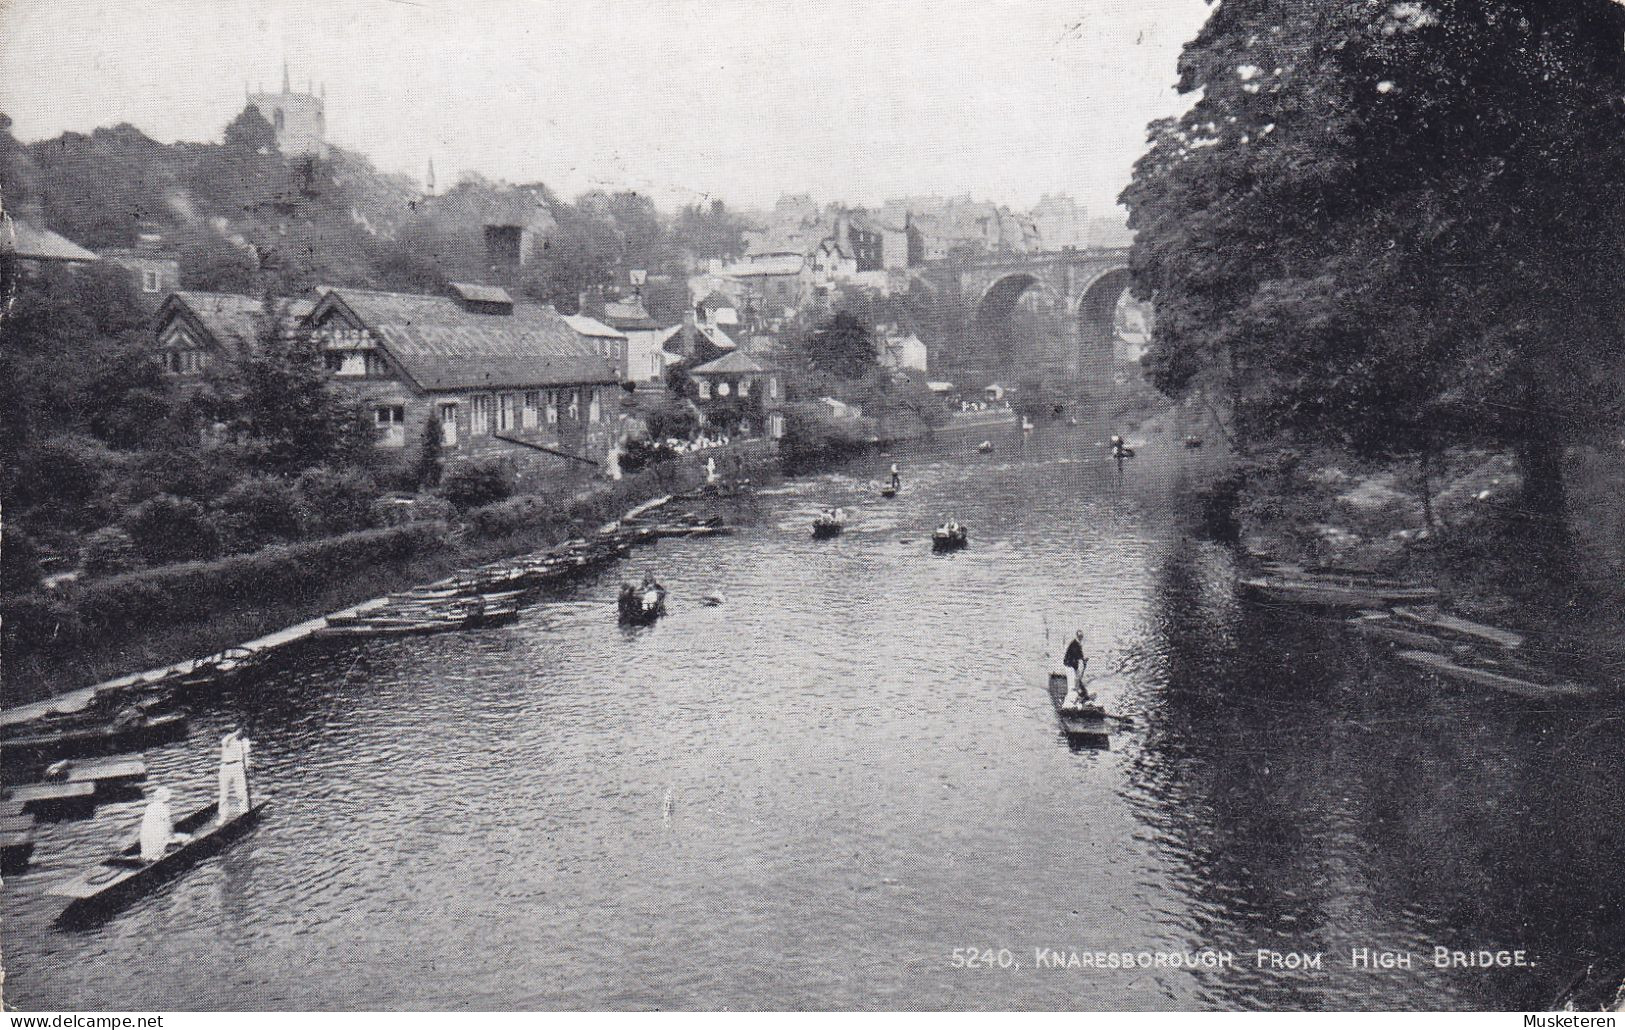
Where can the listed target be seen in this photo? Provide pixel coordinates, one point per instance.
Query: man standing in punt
(233, 776)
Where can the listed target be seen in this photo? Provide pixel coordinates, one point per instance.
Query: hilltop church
(300, 119)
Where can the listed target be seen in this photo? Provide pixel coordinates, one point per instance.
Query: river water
(811, 794)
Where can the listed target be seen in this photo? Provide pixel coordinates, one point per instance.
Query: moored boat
(34, 751)
(1455, 626)
(124, 875)
(16, 849)
(1333, 591)
(1509, 678)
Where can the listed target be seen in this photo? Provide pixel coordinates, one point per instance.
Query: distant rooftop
(35, 243)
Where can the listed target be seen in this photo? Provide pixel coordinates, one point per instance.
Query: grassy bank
(194, 622)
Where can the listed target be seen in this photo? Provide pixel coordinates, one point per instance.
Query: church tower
(300, 119)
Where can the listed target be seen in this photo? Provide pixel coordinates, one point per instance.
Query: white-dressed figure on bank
(234, 800)
(157, 826)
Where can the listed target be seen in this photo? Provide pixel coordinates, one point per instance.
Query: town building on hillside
(716, 308)
(1060, 222)
(300, 119)
(499, 377)
(611, 343)
(738, 384)
(648, 356)
(777, 286)
(154, 269)
(904, 353)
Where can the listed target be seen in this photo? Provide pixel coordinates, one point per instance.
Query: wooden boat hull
(633, 613)
(1492, 678)
(26, 757)
(1459, 628)
(888, 491)
(1327, 594)
(1088, 725)
(16, 850)
(121, 878)
(1381, 626)
(949, 542)
(826, 530)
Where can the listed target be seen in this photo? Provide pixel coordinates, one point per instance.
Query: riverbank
(518, 526)
(1460, 527)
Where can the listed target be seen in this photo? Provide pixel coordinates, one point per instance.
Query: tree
(251, 132)
(286, 411)
(842, 347)
(1390, 227)
(426, 470)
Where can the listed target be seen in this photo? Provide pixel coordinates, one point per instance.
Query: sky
(741, 100)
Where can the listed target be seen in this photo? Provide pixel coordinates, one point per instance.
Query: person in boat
(896, 479)
(234, 800)
(839, 515)
(1076, 662)
(651, 591)
(158, 826)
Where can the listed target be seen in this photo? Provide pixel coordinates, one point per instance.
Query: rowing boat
(945, 539)
(1530, 682)
(123, 875)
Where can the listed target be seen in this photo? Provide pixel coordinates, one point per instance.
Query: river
(811, 794)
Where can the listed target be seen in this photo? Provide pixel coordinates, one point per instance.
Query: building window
(574, 407)
(375, 365)
(151, 281)
(391, 422)
(448, 425)
(744, 387)
(595, 407)
(505, 412)
(705, 390)
(773, 387)
(552, 408)
(479, 421)
(533, 400)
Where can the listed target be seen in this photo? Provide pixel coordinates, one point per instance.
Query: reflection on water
(810, 795)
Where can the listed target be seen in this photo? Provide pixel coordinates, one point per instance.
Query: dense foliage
(1391, 227)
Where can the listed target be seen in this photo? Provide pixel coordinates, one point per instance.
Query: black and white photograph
(944, 506)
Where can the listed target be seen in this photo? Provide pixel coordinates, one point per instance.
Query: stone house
(738, 380)
(500, 377)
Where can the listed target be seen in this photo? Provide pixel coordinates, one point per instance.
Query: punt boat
(1455, 626)
(1088, 725)
(16, 849)
(1509, 678)
(124, 875)
(54, 800)
(1330, 591)
(38, 749)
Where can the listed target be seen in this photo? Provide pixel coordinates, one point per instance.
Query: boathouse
(498, 376)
